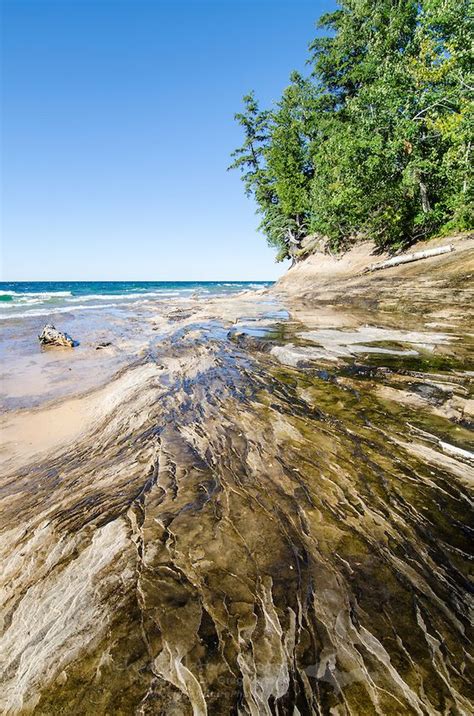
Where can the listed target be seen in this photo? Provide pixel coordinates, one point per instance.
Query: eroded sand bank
(261, 513)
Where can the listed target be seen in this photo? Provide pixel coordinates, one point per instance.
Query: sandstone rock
(50, 336)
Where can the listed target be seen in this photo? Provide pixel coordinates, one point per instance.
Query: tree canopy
(375, 142)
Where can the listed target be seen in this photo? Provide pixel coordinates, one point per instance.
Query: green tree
(376, 142)
(275, 164)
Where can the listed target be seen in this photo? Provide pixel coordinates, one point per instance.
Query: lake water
(47, 298)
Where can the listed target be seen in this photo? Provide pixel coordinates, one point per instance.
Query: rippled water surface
(24, 299)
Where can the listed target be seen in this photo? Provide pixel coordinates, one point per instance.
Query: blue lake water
(46, 298)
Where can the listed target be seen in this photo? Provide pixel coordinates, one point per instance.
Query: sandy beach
(245, 499)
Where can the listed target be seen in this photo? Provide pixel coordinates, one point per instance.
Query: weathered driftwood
(407, 258)
(50, 336)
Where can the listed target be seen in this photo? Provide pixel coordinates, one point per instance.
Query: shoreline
(258, 507)
(59, 413)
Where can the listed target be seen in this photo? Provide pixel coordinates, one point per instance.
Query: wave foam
(41, 294)
(51, 311)
(122, 296)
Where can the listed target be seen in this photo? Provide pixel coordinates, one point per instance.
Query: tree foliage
(376, 141)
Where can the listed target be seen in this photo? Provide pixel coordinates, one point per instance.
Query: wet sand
(259, 504)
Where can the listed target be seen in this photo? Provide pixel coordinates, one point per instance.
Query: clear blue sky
(117, 129)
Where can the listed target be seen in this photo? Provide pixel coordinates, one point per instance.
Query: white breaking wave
(50, 311)
(41, 294)
(122, 296)
(66, 309)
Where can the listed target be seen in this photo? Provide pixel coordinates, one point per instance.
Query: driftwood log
(407, 258)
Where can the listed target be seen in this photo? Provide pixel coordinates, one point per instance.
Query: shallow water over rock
(246, 534)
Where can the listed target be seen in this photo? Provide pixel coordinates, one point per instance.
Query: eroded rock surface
(244, 536)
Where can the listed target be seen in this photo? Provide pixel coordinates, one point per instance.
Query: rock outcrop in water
(248, 536)
(50, 336)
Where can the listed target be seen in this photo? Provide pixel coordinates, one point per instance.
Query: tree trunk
(425, 202)
(465, 182)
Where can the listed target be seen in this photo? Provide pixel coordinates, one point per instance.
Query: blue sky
(117, 130)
